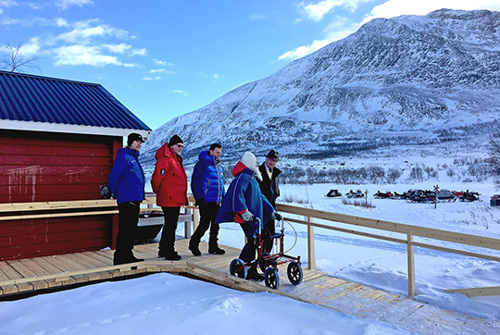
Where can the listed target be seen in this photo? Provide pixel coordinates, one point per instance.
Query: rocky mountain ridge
(405, 80)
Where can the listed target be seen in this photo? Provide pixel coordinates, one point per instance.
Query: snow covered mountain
(402, 81)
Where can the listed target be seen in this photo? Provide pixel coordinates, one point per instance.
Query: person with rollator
(245, 204)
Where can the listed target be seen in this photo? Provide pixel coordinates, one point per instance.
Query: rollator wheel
(272, 279)
(295, 274)
(237, 268)
(264, 264)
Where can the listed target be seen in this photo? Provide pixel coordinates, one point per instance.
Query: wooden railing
(74, 208)
(387, 226)
(36, 210)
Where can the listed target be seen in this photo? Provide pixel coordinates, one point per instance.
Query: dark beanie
(134, 137)
(174, 140)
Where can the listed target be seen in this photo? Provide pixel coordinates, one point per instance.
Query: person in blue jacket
(243, 203)
(208, 189)
(126, 182)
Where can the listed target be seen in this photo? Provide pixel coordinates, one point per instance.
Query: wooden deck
(35, 275)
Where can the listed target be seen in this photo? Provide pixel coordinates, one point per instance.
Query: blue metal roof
(25, 97)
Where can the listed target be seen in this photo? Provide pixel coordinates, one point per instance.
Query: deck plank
(24, 271)
(9, 271)
(31, 275)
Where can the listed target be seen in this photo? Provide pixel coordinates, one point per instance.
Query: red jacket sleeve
(161, 168)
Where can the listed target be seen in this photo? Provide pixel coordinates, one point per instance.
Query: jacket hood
(250, 161)
(205, 156)
(240, 167)
(164, 151)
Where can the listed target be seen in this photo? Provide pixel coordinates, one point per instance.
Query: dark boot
(194, 248)
(253, 274)
(172, 256)
(125, 258)
(216, 250)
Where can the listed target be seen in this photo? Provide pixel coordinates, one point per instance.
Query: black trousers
(268, 230)
(208, 213)
(248, 252)
(127, 227)
(167, 241)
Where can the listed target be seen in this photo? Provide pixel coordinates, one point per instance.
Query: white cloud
(86, 55)
(122, 48)
(138, 52)
(181, 92)
(29, 49)
(65, 4)
(32, 47)
(62, 22)
(117, 48)
(84, 31)
(35, 21)
(162, 62)
(303, 50)
(151, 78)
(317, 11)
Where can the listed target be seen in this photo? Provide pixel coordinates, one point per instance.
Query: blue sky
(165, 58)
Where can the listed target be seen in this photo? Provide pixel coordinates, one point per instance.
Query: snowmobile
(268, 263)
(333, 193)
(405, 195)
(380, 195)
(421, 196)
(357, 194)
(469, 196)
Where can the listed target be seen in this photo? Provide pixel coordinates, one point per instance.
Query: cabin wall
(38, 167)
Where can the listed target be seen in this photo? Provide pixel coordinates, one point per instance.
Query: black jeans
(167, 241)
(268, 230)
(127, 226)
(208, 213)
(248, 252)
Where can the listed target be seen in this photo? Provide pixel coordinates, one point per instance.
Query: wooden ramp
(35, 275)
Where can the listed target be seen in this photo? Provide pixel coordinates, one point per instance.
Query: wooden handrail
(409, 230)
(17, 211)
(436, 234)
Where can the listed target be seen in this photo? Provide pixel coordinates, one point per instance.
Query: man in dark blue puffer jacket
(208, 189)
(126, 181)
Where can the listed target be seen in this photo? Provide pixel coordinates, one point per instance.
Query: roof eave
(70, 128)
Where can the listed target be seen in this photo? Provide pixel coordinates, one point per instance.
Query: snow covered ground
(163, 303)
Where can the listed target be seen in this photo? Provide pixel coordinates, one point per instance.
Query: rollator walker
(268, 262)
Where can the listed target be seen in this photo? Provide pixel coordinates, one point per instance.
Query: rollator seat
(277, 235)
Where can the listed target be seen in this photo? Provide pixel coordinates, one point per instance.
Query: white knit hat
(250, 161)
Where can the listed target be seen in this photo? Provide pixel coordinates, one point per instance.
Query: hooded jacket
(207, 181)
(169, 180)
(244, 194)
(126, 178)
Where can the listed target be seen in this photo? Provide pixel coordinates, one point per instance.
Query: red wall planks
(38, 166)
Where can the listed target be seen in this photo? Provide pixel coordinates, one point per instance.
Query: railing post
(411, 267)
(196, 217)
(311, 255)
(187, 224)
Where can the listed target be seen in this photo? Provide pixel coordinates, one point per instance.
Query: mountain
(408, 80)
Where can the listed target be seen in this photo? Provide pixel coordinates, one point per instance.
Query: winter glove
(276, 216)
(247, 216)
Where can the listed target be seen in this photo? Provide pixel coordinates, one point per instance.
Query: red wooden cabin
(58, 143)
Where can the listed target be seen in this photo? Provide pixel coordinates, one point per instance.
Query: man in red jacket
(169, 182)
